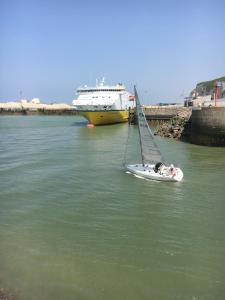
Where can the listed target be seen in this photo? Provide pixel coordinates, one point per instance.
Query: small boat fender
(90, 125)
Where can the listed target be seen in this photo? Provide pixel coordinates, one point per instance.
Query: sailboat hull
(147, 171)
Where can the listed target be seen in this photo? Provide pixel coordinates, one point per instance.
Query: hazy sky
(49, 48)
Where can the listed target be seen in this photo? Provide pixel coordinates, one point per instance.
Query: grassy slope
(210, 84)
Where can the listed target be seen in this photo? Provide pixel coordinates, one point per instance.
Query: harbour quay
(203, 125)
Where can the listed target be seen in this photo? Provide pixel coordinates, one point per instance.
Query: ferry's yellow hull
(105, 117)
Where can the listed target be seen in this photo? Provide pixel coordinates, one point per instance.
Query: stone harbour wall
(208, 126)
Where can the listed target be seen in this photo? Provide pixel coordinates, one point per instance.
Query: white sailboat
(153, 165)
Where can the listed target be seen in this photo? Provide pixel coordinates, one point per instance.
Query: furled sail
(149, 150)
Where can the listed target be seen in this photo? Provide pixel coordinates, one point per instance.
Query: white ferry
(104, 104)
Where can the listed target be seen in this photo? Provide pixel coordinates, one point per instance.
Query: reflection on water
(73, 225)
(79, 123)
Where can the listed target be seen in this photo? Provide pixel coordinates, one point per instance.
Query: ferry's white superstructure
(104, 104)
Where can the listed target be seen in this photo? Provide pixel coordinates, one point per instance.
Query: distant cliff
(207, 88)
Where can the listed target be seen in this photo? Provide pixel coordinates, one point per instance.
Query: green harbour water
(74, 225)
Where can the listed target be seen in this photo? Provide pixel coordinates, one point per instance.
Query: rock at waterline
(176, 128)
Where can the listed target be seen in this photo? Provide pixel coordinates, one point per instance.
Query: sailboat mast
(138, 105)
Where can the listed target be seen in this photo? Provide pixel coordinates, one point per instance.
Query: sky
(50, 48)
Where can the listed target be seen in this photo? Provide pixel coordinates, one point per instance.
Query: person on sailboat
(173, 170)
(159, 167)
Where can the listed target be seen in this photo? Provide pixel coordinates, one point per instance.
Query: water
(73, 225)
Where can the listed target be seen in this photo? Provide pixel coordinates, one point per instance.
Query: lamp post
(217, 85)
(215, 93)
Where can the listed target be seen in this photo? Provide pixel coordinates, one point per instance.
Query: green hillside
(209, 85)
